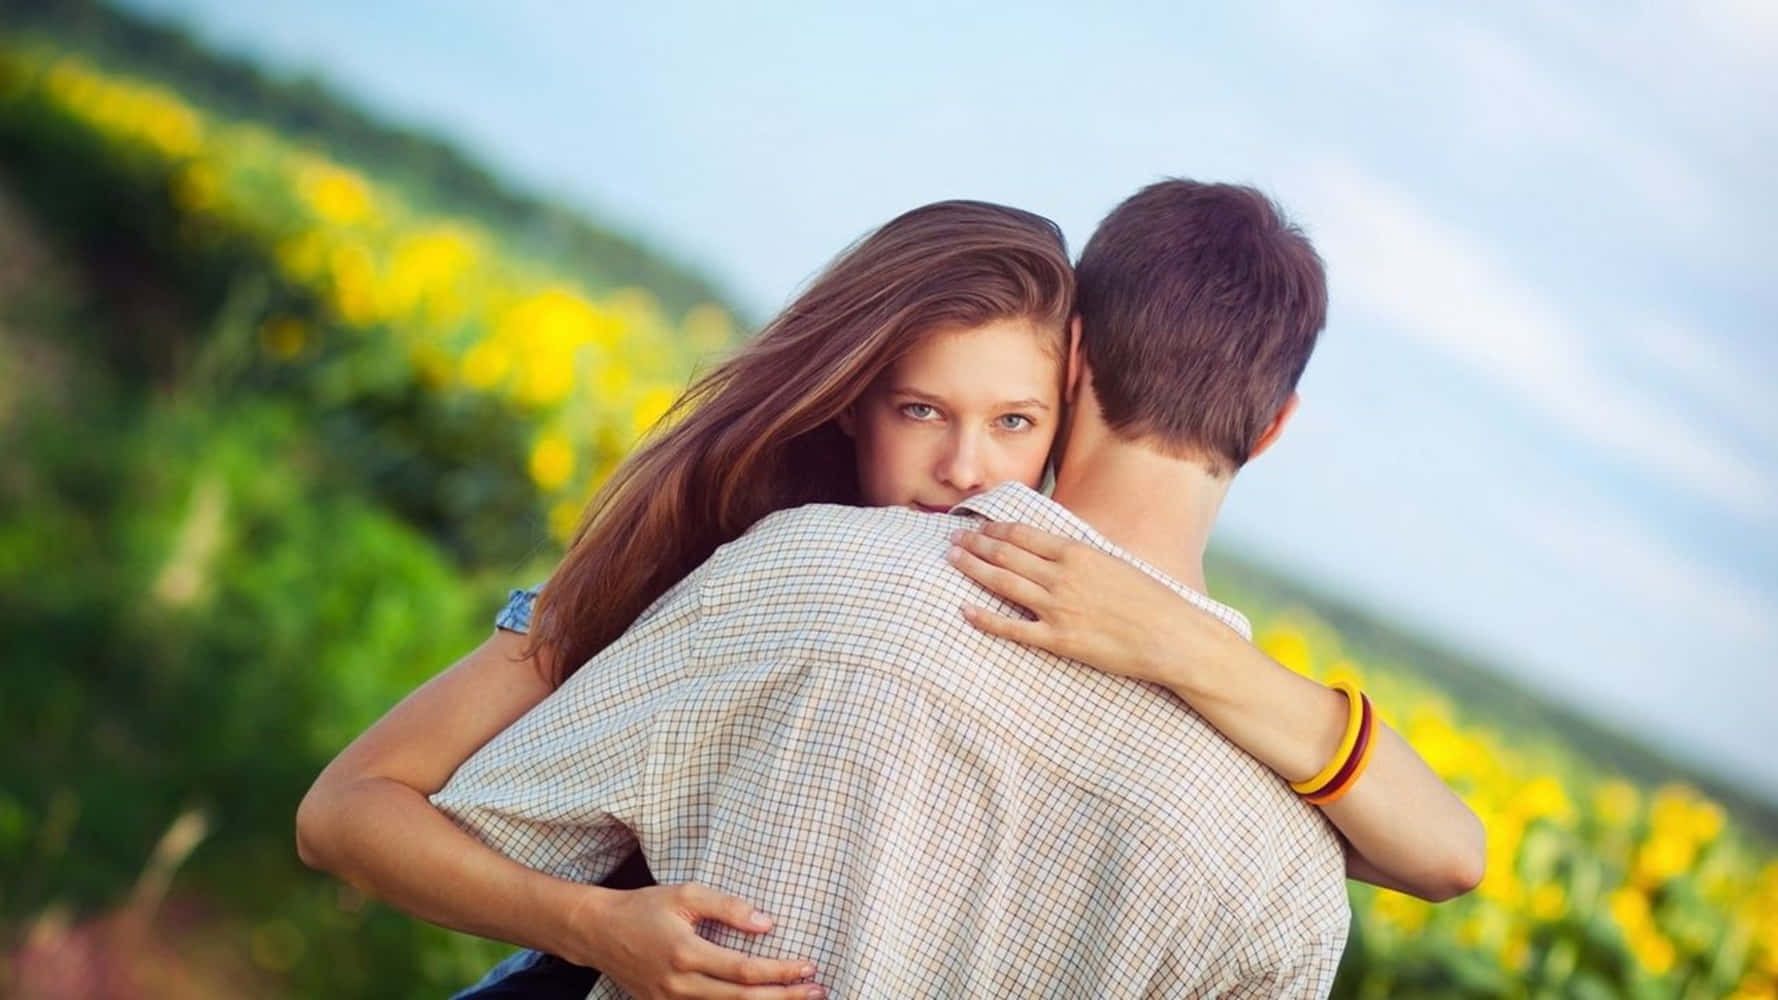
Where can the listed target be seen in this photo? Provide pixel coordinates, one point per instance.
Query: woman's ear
(848, 420)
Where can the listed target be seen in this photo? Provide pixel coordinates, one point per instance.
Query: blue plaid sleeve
(516, 615)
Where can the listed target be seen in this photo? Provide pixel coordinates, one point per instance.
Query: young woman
(922, 367)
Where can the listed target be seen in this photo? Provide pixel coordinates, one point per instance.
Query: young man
(806, 722)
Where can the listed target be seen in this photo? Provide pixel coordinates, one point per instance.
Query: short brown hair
(1199, 307)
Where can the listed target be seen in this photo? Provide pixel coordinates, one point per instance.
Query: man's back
(808, 723)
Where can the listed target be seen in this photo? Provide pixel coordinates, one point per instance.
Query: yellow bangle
(1366, 743)
(1354, 716)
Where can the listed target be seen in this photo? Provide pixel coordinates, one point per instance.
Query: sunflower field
(1596, 886)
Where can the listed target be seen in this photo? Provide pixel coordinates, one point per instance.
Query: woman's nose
(960, 468)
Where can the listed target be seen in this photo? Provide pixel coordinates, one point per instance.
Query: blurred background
(319, 323)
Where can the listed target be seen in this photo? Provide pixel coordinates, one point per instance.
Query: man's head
(1199, 306)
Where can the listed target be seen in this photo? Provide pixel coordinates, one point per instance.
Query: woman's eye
(918, 411)
(1014, 422)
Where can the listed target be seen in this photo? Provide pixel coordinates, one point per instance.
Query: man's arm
(1268, 965)
(542, 791)
(367, 819)
(1307, 973)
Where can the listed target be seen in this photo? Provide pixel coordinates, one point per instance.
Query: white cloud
(1713, 58)
(1652, 121)
(1699, 364)
(1395, 262)
(1528, 109)
(1597, 539)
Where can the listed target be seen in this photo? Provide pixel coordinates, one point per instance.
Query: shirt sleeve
(1305, 974)
(515, 615)
(558, 789)
(1291, 956)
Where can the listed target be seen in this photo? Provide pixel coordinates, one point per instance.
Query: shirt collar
(1014, 501)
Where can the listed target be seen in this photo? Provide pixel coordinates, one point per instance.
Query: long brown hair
(758, 433)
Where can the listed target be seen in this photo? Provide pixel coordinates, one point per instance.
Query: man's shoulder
(828, 548)
(1279, 863)
(1269, 878)
(837, 531)
(1216, 784)
(819, 519)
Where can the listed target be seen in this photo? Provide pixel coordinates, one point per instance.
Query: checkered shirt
(807, 722)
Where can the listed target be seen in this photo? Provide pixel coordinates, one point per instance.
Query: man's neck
(1158, 509)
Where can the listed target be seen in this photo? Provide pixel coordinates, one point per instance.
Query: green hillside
(288, 398)
(430, 171)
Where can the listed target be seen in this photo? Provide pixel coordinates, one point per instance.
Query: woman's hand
(646, 941)
(1404, 827)
(1089, 606)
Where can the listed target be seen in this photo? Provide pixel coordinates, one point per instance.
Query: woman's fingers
(1036, 541)
(1007, 555)
(708, 959)
(733, 967)
(707, 988)
(1017, 629)
(700, 902)
(1009, 584)
(704, 903)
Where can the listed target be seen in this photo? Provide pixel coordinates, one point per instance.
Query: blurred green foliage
(215, 569)
(195, 621)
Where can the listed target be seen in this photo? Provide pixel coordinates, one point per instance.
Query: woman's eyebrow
(927, 397)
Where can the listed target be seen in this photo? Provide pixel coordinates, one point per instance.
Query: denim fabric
(516, 615)
(532, 974)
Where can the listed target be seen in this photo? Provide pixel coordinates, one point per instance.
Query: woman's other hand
(646, 941)
(1089, 606)
(1405, 829)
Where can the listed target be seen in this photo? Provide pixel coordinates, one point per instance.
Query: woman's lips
(928, 508)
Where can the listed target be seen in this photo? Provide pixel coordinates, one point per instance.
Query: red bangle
(1349, 773)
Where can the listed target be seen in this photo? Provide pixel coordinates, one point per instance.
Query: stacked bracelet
(1349, 761)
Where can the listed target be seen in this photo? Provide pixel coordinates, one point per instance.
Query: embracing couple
(880, 717)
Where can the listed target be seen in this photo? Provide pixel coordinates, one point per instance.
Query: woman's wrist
(573, 918)
(1194, 662)
(1289, 722)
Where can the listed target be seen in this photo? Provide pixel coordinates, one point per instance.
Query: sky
(1540, 423)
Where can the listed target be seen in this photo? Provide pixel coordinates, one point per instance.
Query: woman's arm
(1403, 827)
(367, 820)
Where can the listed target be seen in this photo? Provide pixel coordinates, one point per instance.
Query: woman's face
(969, 408)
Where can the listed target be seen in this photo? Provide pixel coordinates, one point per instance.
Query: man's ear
(1071, 373)
(1275, 428)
